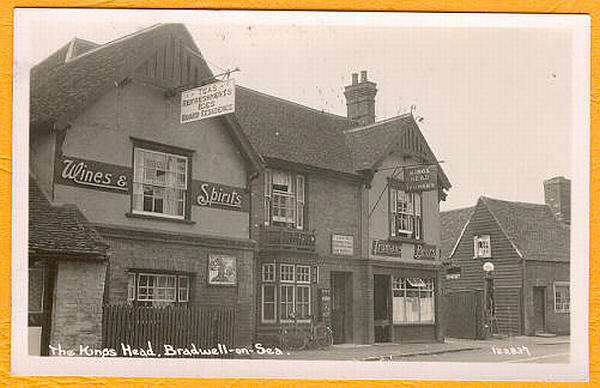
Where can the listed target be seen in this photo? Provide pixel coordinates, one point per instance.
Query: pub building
(343, 236)
(277, 210)
(508, 265)
(171, 199)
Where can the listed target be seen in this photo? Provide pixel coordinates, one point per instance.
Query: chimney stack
(557, 195)
(360, 99)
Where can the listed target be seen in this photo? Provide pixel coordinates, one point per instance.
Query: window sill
(159, 218)
(407, 240)
(414, 323)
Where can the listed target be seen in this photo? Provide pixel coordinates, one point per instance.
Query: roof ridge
(120, 39)
(485, 198)
(386, 121)
(280, 99)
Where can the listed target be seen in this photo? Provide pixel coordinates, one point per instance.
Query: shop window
(413, 300)
(482, 246)
(152, 289)
(562, 298)
(290, 289)
(160, 185)
(406, 213)
(284, 199)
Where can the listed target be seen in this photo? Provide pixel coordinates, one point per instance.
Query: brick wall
(192, 259)
(77, 310)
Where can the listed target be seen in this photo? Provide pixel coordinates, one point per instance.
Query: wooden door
(338, 304)
(539, 308)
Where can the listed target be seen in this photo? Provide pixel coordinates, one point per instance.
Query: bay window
(405, 213)
(154, 289)
(286, 291)
(413, 300)
(160, 184)
(284, 199)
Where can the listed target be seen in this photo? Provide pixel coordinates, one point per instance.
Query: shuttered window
(284, 199)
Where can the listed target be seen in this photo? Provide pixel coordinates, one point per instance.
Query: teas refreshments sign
(207, 194)
(92, 174)
(420, 178)
(426, 252)
(211, 100)
(386, 248)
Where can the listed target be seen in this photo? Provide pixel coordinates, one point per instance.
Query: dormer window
(284, 199)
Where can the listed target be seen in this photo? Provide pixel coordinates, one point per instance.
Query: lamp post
(488, 294)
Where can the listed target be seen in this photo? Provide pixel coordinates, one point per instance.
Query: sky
(495, 101)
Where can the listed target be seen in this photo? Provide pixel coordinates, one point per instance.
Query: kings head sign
(210, 100)
(420, 178)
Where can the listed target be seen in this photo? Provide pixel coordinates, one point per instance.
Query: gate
(464, 314)
(180, 327)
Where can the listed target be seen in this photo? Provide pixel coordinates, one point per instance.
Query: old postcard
(300, 194)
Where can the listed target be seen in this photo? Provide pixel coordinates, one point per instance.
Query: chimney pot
(354, 78)
(363, 76)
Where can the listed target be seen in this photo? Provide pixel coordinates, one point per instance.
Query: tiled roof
(367, 144)
(370, 143)
(60, 230)
(452, 223)
(80, 72)
(282, 129)
(60, 88)
(532, 228)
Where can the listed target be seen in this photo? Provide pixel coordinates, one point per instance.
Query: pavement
(450, 350)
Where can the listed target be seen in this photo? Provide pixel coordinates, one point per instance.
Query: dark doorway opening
(341, 307)
(539, 309)
(382, 305)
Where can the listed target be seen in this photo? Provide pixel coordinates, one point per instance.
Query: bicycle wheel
(323, 337)
(293, 339)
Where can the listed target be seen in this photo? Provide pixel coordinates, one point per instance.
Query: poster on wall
(221, 270)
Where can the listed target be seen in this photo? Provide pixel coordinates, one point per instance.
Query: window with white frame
(286, 292)
(413, 300)
(154, 289)
(160, 183)
(482, 246)
(406, 213)
(562, 298)
(269, 293)
(284, 199)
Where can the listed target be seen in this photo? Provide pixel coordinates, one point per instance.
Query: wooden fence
(205, 327)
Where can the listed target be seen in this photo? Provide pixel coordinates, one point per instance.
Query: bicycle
(292, 337)
(321, 335)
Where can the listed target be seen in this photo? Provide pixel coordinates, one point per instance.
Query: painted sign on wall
(387, 248)
(92, 174)
(426, 252)
(207, 194)
(342, 244)
(210, 100)
(420, 178)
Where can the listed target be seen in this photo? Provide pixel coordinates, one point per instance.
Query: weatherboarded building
(508, 266)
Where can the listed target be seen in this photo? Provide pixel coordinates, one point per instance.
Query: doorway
(539, 309)
(341, 307)
(382, 313)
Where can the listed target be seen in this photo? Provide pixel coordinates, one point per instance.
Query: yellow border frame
(590, 7)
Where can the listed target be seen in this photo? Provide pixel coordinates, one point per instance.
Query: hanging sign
(91, 174)
(420, 178)
(426, 252)
(210, 100)
(387, 248)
